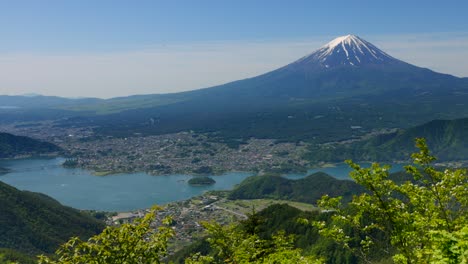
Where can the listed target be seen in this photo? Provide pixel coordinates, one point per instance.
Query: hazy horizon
(118, 48)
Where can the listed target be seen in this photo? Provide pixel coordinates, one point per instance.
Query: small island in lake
(199, 181)
(70, 163)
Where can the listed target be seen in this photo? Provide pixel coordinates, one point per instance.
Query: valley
(274, 143)
(188, 215)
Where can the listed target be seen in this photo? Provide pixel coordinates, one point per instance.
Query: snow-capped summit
(349, 50)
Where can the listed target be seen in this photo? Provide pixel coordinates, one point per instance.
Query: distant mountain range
(447, 140)
(325, 96)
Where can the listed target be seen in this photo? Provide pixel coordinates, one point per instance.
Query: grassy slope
(246, 206)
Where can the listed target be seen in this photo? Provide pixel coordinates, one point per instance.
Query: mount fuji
(346, 67)
(346, 87)
(347, 50)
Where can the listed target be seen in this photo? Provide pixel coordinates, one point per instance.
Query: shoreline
(104, 173)
(134, 191)
(4, 171)
(35, 156)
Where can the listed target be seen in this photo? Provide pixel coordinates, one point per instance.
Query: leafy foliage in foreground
(282, 218)
(12, 256)
(136, 242)
(231, 245)
(425, 219)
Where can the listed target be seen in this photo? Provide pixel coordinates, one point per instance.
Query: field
(246, 206)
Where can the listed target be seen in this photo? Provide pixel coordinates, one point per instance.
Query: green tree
(11, 256)
(230, 244)
(424, 217)
(136, 242)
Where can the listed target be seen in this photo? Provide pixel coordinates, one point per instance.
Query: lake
(341, 171)
(80, 189)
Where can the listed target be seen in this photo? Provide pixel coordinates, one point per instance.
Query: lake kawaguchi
(80, 189)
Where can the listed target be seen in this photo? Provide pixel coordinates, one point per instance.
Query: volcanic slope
(346, 84)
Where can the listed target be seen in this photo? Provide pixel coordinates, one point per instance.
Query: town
(178, 153)
(188, 215)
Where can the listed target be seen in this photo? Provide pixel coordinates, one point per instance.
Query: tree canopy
(425, 217)
(421, 219)
(137, 242)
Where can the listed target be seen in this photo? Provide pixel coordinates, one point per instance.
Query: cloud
(181, 67)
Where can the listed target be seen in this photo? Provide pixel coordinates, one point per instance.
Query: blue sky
(112, 48)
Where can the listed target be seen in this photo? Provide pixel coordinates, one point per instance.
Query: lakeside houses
(183, 152)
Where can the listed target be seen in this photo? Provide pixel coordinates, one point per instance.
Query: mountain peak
(349, 50)
(343, 39)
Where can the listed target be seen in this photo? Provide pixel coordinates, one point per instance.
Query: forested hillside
(308, 189)
(276, 218)
(11, 146)
(34, 223)
(446, 139)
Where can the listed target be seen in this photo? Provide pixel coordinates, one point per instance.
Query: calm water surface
(341, 171)
(121, 192)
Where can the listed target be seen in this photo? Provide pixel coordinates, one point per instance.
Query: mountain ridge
(285, 102)
(445, 138)
(35, 223)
